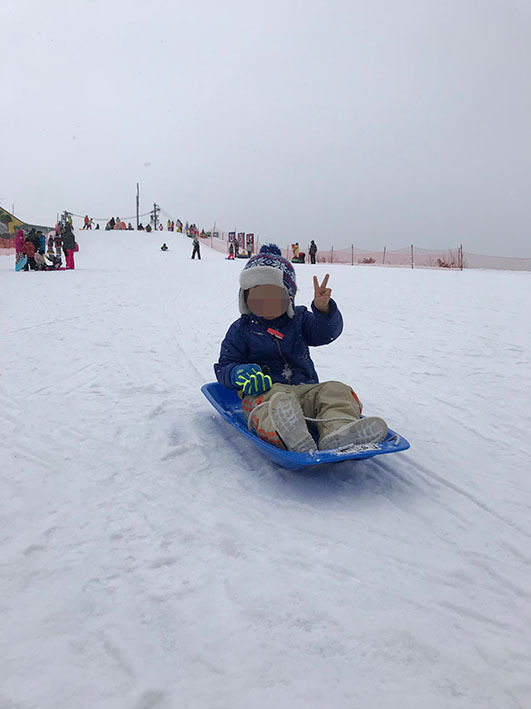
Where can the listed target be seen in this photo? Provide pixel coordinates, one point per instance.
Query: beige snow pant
(334, 401)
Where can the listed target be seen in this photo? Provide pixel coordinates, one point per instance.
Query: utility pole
(137, 206)
(155, 215)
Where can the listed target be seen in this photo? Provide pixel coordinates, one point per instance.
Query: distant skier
(196, 248)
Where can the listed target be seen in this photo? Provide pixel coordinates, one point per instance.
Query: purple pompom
(270, 249)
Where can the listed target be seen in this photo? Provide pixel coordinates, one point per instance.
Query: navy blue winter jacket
(288, 360)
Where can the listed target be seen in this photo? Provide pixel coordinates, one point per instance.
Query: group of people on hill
(175, 226)
(46, 255)
(234, 251)
(298, 256)
(117, 224)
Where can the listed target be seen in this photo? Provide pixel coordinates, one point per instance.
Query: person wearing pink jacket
(19, 246)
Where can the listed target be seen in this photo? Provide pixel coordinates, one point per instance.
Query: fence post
(352, 247)
(383, 260)
(461, 257)
(411, 255)
(332, 255)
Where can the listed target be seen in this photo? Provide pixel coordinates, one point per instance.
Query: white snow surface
(152, 558)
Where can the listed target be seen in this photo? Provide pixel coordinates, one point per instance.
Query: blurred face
(268, 302)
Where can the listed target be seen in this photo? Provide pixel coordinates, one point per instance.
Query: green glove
(250, 379)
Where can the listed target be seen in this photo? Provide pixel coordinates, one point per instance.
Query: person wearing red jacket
(29, 250)
(19, 246)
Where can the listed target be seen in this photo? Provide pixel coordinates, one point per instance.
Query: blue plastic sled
(20, 265)
(228, 404)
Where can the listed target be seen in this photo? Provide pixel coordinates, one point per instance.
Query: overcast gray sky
(379, 123)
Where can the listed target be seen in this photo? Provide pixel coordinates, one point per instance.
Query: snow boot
(370, 429)
(286, 416)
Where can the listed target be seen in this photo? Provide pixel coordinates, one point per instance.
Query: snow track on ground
(152, 558)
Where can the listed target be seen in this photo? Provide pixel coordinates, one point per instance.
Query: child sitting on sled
(265, 356)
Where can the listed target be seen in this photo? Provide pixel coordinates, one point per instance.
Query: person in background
(40, 261)
(86, 222)
(164, 247)
(148, 227)
(129, 227)
(69, 245)
(58, 243)
(231, 252)
(97, 226)
(140, 227)
(49, 250)
(55, 262)
(312, 251)
(19, 246)
(29, 250)
(32, 236)
(196, 248)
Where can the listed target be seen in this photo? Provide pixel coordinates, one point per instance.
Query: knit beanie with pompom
(268, 268)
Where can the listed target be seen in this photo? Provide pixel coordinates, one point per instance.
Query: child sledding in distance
(265, 356)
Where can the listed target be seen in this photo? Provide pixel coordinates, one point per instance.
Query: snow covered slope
(150, 558)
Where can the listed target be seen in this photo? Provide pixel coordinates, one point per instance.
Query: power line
(105, 219)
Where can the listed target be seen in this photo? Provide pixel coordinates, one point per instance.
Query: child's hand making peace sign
(321, 294)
